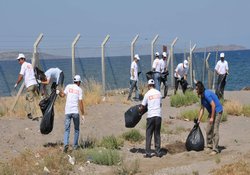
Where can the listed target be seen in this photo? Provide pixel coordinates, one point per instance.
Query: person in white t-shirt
(180, 76)
(152, 100)
(134, 78)
(156, 68)
(164, 73)
(55, 76)
(221, 69)
(27, 73)
(74, 100)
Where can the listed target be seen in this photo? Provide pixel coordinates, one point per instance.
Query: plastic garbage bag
(149, 75)
(133, 116)
(47, 108)
(195, 139)
(39, 74)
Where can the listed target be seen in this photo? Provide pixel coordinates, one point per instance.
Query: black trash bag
(195, 139)
(164, 76)
(149, 75)
(47, 108)
(39, 74)
(133, 116)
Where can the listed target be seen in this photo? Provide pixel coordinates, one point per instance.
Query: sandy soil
(107, 119)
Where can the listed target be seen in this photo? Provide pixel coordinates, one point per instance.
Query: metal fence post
(152, 49)
(191, 65)
(73, 54)
(34, 62)
(103, 64)
(132, 49)
(172, 60)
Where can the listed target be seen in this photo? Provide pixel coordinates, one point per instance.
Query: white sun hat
(157, 54)
(77, 78)
(137, 56)
(164, 54)
(21, 55)
(185, 63)
(222, 55)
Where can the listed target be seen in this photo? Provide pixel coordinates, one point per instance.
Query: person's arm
(45, 82)
(201, 112)
(133, 72)
(20, 77)
(81, 106)
(61, 93)
(212, 112)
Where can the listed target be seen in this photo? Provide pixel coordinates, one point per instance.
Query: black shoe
(65, 149)
(158, 154)
(29, 116)
(147, 156)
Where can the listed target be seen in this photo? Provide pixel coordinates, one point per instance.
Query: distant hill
(28, 55)
(230, 47)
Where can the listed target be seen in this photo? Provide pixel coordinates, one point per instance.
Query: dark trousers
(133, 85)
(221, 83)
(153, 126)
(183, 84)
(165, 83)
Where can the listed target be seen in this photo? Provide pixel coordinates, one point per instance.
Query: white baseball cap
(222, 55)
(137, 57)
(157, 54)
(21, 55)
(164, 54)
(185, 63)
(151, 81)
(77, 78)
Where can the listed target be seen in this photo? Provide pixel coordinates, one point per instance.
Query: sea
(117, 69)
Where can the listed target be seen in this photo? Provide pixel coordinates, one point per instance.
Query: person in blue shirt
(211, 102)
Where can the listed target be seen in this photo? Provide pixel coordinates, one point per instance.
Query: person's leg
(223, 84)
(131, 88)
(66, 131)
(165, 88)
(157, 81)
(77, 130)
(60, 81)
(157, 136)
(176, 83)
(30, 101)
(216, 132)
(184, 85)
(149, 133)
(209, 133)
(136, 90)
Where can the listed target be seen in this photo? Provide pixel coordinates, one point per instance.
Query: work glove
(38, 81)
(15, 86)
(57, 91)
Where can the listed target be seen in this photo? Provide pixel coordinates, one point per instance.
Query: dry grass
(239, 168)
(92, 92)
(233, 108)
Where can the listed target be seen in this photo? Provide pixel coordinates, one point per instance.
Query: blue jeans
(67, 123)
(157, 79)
(133, 85)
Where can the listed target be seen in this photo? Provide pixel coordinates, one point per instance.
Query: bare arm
(46, 82)
(81, 106)
(201, 113)
(20, 77)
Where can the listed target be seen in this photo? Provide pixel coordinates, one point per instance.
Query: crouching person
(74, 99)
(211, 102)
(152, 100)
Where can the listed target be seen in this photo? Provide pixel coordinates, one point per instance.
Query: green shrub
(246, 110)
(111, 142)
(186, 99)
(130, 168)
(88, 143)
(133, 136)
(103, 156)
(194, 113)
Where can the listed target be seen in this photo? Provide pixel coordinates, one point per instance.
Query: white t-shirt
(74, 94)
(153, 99)
(28, 74)
(221, 67)
(163, 65)
(53, 74)
(156, 65)
(180, 70)
(135, 67)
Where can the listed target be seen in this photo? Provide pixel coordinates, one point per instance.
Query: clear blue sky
(204, 22)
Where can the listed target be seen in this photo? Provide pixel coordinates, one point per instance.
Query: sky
(203, 22)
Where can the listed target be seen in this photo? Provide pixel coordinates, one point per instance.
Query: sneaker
(158, 154)
(147, 156)
(213, 153)
(65, 149)
(30, 116)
